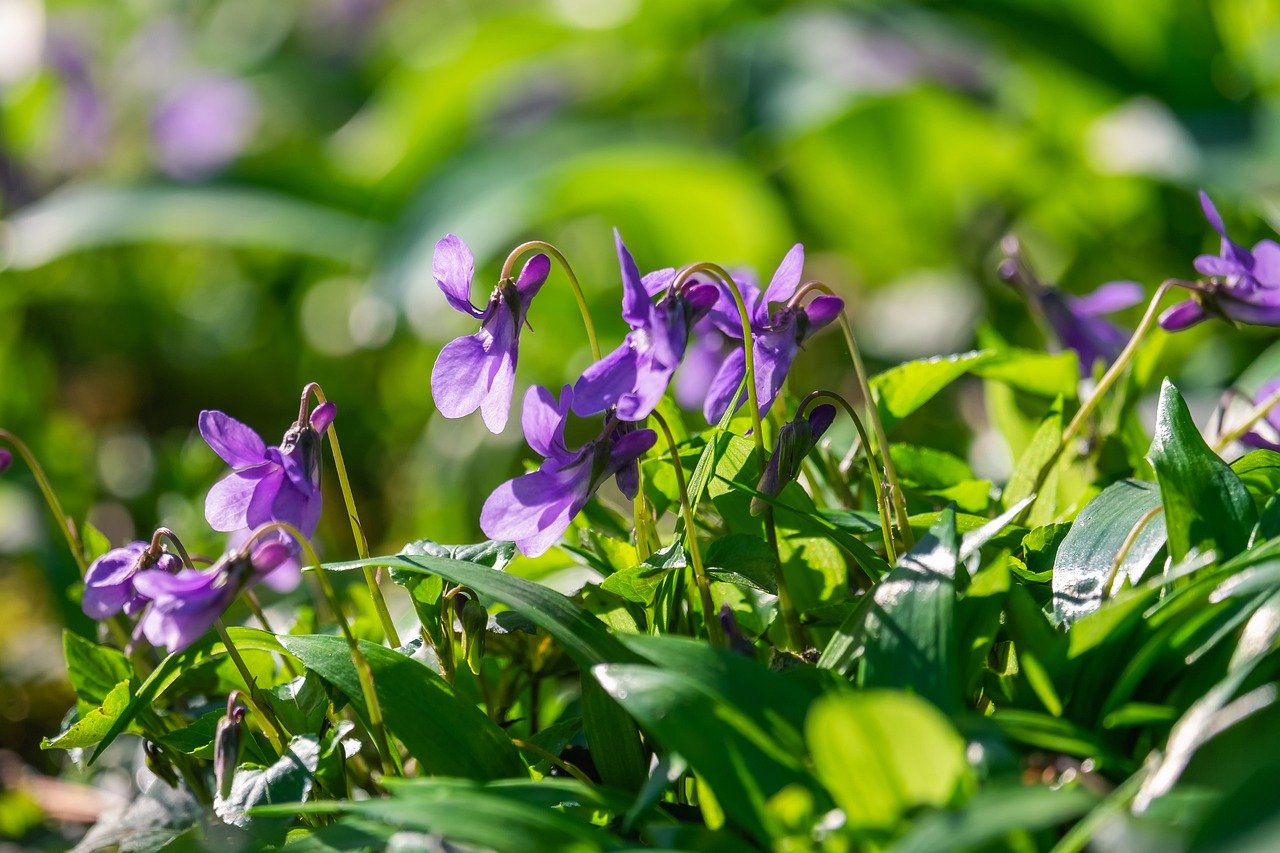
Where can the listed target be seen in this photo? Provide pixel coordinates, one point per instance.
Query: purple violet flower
(633, 378)
(777, 335)
(479, 371)
(1239, 284)
(795, 441)
(1265, 433)
(184, 605)
(108, 584)
(535, 509)
(1080, 324)
(266, 483)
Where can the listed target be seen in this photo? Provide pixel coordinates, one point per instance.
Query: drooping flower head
(535, 509)
(1240, 285)
(778, 330)
(1078, 322)
(183, 605)
(108, 583)
(795, 441)
(479, 371)
(633, 378)
(266, 483)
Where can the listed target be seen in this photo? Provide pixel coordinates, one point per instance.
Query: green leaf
(1087, 555)
(994, 813)
(288, 780)
(447, 734)
(910, 632)
(640, 583)
(1035, 372)
(584, 637)
(95, 542)
(901, 390)
(612, 737)
(881, 754)
(94, 725)
(743, 560)
(743, 765)
(1259, 470)
(93, 670)
(1205, 504)
(1045, 442)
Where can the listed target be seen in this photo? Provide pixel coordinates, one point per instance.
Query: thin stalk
(546, 755)
(275, 733)
(691, 536)
(748, 348)
(1259, 412)
(543, 246)
(896, 496)
(363, 672)
(882, 505)
(357, 530)
(50, 498)
(1108, 379)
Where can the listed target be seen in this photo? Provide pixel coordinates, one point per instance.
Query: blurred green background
(207, 204)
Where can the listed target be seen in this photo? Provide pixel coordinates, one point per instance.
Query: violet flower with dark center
(267, 483)
(777, 334)
(535, 509)
(1078, 322)
(633, 378)
(184, 605)
(1240, 285)
(479, 371)
(796, 440)
(108, 583)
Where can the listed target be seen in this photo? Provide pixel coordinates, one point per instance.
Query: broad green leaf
(1041, 373)
(901, 390)
(93, 670)
(1086, 557)
(1259, 470)
(288, 780)
(446, 733)
(1022, 481)
(741, 762)
(910, 632)
(881, 754)
(640, 583)
(1205, 504)
(743, 560)
(612, 736)
(94, 725)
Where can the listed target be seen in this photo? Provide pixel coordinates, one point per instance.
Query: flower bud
(475, 626)
(228, 738)
(795, 440)
(6, 459)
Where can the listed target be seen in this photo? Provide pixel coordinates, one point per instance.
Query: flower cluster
(663, 308)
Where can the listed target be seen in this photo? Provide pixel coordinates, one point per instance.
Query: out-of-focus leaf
(1205, 504)
(881, 754)
(1087, 555)
(993, 813)
(1044, 374)
(89, 217)
(447, 734)
(1022, 481)
(1259, 470)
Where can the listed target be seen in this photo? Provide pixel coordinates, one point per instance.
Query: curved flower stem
(748, 349)
(691, 536)
(165, 533)
(541, 245)
(1258, 413)
(357, 530)
(50, 498)
(882, 505)
(1108, 379)
(363, 672)
(896, 497)
(275, 733)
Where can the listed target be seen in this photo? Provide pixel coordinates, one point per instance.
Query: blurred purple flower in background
(1079, 322)
(534, 510)
(109, 581)
(203, 124)
(184, 605)
(85, 113)
(1266, 433)
(634, 376)
(6, 459)
(479, 371)
(776, 335)
(267, 483)
(1241, 285)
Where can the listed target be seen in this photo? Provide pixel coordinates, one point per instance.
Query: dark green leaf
(743, 560)
(93, 670)
(288, 780)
